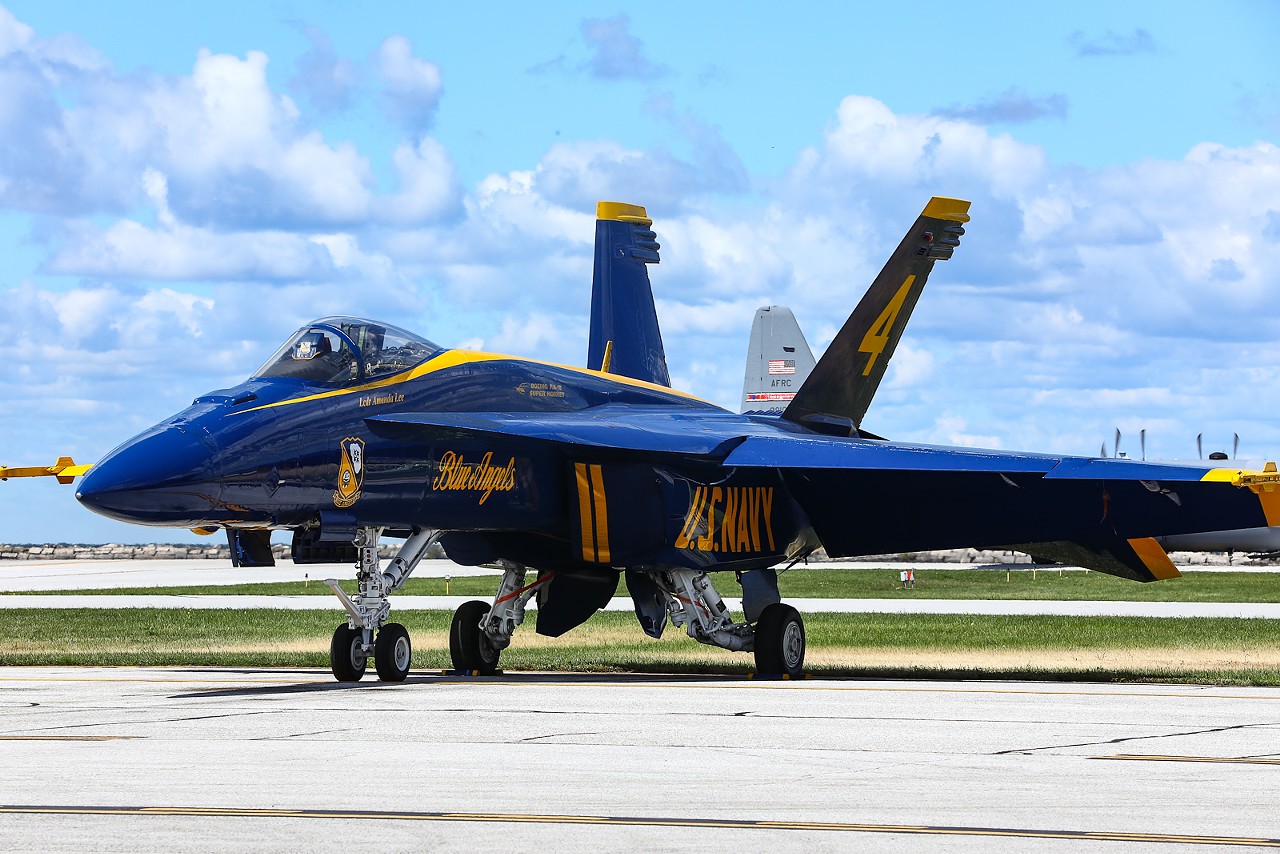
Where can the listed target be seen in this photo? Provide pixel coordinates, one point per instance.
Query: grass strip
(1214, 650)
(1051, 584)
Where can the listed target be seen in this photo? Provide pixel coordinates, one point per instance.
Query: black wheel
(391, 652)
(780, 641)
(469, 647)
(346, 654)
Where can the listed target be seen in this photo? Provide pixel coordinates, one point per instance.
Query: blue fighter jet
(572, 478)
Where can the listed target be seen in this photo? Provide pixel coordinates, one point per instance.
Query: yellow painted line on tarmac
(69, 737)
(1225, 760)
(643, 821)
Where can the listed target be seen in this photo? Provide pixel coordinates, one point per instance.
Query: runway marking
(642, 821)
(1226, 760)
(69, 737)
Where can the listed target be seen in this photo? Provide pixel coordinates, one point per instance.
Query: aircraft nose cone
(165, 476)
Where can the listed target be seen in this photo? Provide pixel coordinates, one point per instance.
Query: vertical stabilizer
(835, 396)
(624, 322)
(778, 361)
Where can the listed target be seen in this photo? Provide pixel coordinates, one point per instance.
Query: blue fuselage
(286, 453)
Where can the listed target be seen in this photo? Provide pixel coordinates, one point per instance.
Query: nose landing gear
(354, 643)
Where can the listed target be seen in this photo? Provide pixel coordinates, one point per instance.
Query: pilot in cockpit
(310, 345)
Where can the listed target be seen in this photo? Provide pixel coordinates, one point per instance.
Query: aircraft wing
(877, 498)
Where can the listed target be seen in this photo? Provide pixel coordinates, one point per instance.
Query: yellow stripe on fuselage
(584, 510)
(593, 512)
(455, 358)
(602, 515)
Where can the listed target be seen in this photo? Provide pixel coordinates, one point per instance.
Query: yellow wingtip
(622, 212)
(941, 207)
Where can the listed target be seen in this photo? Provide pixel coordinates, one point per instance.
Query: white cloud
(911, 366)
(872, 144)
(429, 187)
(413, 86)
(182, 253)
(74, 136)
(14, 35)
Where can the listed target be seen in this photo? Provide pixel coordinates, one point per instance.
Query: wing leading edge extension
(836, 394)
(610, 428)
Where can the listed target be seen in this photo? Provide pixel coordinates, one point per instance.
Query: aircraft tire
(345, 656)
(469, 647)
(780, 641)
(392, 652)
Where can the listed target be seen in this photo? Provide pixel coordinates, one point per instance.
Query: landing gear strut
(777, 639)
(367, 612)
(480, 631)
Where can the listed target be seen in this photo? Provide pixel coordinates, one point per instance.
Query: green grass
(1074, 584)
(1233, 651)
(854, 584)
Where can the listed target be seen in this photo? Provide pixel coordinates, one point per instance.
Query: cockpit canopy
(347, 349)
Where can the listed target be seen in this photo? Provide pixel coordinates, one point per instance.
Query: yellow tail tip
(622, 212)
(941, 207)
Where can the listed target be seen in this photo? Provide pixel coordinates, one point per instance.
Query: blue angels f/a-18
(573, 478)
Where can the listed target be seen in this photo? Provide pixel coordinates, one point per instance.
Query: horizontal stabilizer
(836, 395)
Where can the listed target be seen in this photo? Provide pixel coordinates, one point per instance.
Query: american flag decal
(782, 366)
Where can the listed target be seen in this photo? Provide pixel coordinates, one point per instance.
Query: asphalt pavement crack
(1132, 738)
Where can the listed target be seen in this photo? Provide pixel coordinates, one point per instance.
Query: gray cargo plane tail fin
(835, 396)
(778, 361)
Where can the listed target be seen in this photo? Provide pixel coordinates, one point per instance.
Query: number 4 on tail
(877, 337)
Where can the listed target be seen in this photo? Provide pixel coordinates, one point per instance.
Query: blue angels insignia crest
(350, 472)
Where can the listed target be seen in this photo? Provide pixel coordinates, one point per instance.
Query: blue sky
(181, 186)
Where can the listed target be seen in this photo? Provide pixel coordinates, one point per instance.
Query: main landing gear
(354, 644)
(480, 631)
(777, 638)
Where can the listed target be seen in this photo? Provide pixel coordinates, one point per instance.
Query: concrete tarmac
(37, 575)
(143, 760)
